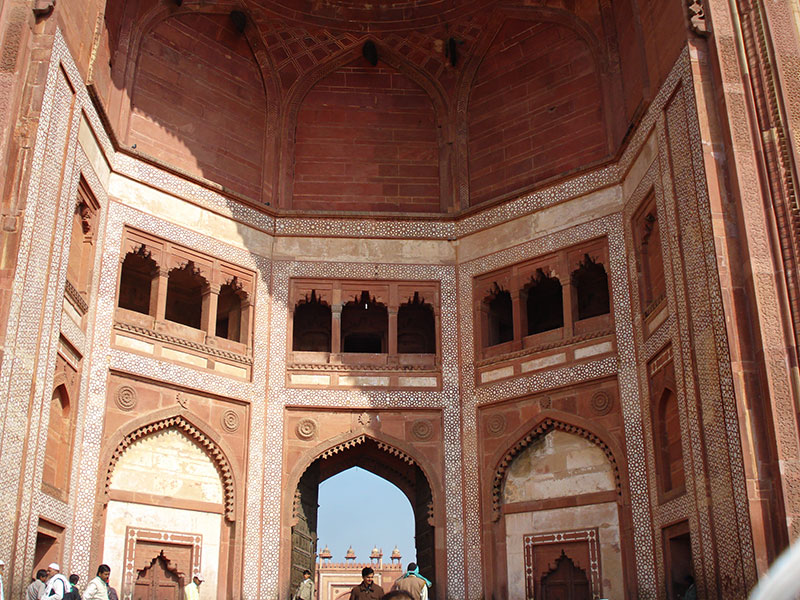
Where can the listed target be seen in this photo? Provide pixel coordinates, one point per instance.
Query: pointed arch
(397, 449)
(301, 88)
(195, 430)
(544, 425)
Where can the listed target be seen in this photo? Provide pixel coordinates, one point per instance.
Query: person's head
(397, 595)
(104, 572)
(367, 574)
(52, 569)
(306, 574)
(73, 579)
(41, 574)
(198, 579)
(412, 566)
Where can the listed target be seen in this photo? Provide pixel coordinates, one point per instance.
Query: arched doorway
(382, 459)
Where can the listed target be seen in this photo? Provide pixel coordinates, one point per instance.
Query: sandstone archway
(382, 459)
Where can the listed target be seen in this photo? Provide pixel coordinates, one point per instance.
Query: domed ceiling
(394, 106)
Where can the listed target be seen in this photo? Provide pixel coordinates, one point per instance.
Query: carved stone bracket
(697, 18)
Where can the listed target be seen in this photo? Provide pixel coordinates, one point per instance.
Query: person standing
(74, 592)
(305, 589)
(413, 583)
(98, 587)
(192, 591)
(36, 588)
(367, 589)
(57, 585)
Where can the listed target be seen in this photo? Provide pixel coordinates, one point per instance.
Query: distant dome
(396, 553)
(351, 554)
(325, 553)
(375, 553)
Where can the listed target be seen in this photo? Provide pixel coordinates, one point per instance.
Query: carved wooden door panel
(157, 582)
(566, 581)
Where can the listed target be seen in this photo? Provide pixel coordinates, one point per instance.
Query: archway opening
(378, 468)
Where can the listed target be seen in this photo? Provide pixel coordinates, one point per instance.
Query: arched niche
(169, 486)
(386, 123)
(558, 490)
(536, 107)
(213, 126)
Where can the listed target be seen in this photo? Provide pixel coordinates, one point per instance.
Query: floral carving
(601, 403)
(496, 424)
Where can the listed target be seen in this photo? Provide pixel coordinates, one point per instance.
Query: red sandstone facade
(535, 263)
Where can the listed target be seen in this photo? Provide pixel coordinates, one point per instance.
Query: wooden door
(157, 582)
(566, 581)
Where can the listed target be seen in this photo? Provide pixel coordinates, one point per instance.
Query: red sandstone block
(429, 191)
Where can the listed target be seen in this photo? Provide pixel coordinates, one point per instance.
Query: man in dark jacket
(367, 589)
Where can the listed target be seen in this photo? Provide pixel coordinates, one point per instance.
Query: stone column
(245, 333)
(516, 316)
(158, 293)
(392, 337)
(336, 328)
(208, 316)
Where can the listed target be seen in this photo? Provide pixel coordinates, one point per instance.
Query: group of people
(50, 584)
(409, 586)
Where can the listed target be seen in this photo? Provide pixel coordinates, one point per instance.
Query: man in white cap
(192, 591)
(57, 585)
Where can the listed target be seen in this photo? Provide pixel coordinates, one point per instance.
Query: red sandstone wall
(199, 102)
(535, 111)
(665, 36)
(366, 140)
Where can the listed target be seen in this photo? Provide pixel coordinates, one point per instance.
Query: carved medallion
(307, 428)
(496, 424)
(601, 403)
(422, 429)
(230, 421)
(125, 398)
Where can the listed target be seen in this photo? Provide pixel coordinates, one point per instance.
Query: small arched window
(311, 326)
(669, 463)
(544, 304)
(591, 288)
(416, 327)
(365, 325)
(229, 311)
(136, 280)
(185, 295)
(500, 316)
(58, 451)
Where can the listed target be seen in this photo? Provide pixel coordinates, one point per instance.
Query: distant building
(335, 580)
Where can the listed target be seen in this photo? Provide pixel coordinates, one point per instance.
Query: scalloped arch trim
(196, 435)
(544, 428)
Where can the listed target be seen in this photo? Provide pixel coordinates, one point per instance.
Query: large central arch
(385, 459)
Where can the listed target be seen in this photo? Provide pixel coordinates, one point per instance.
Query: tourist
(98, 587)
(413, 583)
(367, 589)
(74, 592)
(192, 591)
(305, 589)
(57, 585)
(36, 588)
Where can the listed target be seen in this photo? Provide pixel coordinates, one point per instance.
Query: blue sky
(363, 510)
